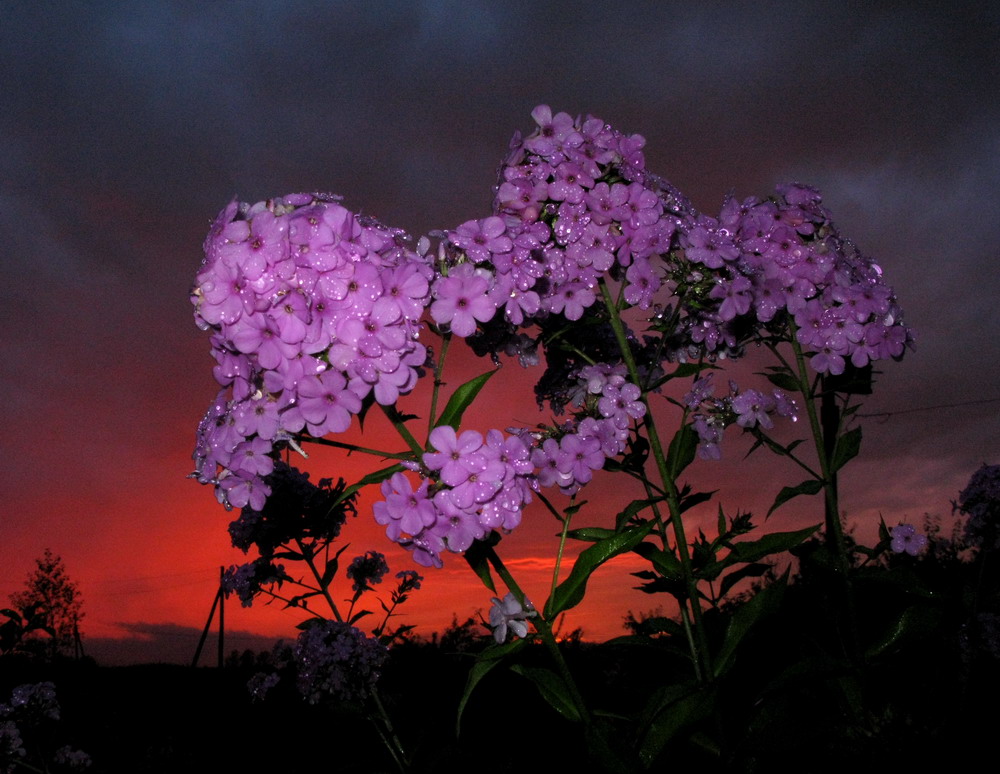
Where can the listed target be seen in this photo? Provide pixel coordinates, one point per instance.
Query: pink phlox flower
(479, 239)
(461, 299)
(327, 403)
(457, 456)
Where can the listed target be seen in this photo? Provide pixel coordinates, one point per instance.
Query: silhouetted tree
(53, 602)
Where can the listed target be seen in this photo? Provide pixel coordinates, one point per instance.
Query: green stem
(559, 554)
(388, 733)
(324, 590)
(403, 431)
(438, 370)
(825, 433)
(701, 653)
(825, 444)
(545, 630)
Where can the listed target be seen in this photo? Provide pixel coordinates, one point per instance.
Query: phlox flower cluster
(573, 202)
(783, 257)
(606, 405)
(469, 486)
(312, 309)
(747, 408)
(337, 661)
(980, 501)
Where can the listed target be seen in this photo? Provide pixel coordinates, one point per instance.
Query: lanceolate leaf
(461, 399)
(810, 487)
(552, 688)
(485, 662)
(665, 562)
(669, 711)
(682, 450)
(633, 509)
(783, 380)
(477, 557)
(376, 477)
(848, 446)
(761, 604)
(570, 592)
(775, 543)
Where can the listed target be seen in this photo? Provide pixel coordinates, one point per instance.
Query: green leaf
(570, 592)
(477, 556)
(854, 381)
(461, 399)
(358, 616)
(552, 688)
(784, 381)
(376, 477)
(590, 534)
(848, 446)
(915, 621)
(682, 449)
(366, 403)
(775, 543)
(331, 567)
(633, 509)
(670, 710)
(764, 602)
(754, 570)
(810, 487)
(485, 663)
(664, 562)
(696, 498)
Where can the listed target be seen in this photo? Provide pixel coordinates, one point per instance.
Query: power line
(887, 414)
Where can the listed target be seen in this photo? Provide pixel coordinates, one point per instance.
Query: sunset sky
(126, 127)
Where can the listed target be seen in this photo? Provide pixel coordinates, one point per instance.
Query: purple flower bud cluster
(336, 660)
(32, 702)
(469, 486)
(11, 743)
(367, 570)
(980, 501)
(607, 405)
(312, 308)
(248, 580)
(296, 509)
(747, 408)
(71, 758)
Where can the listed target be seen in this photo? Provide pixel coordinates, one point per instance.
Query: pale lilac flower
(508, 614)
(906, 539)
